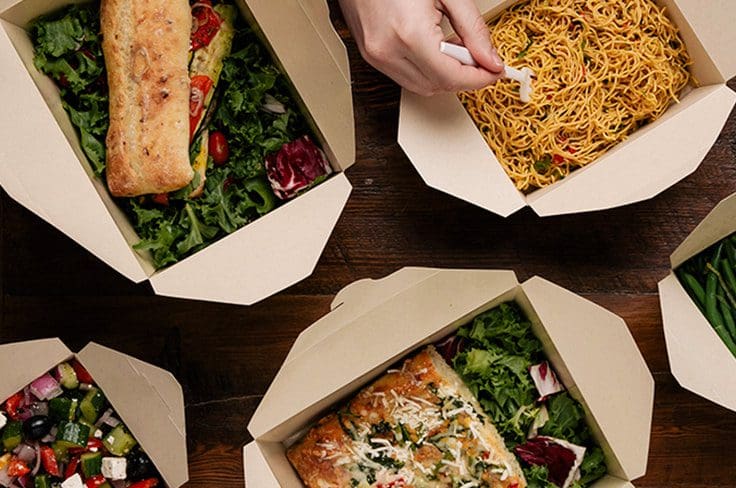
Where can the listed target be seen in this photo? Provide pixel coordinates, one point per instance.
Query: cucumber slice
(72, 434)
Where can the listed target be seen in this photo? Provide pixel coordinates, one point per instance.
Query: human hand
(401, 38)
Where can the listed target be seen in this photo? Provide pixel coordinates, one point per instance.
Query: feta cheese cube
(98, 434)
(114, 468)
(73, 482)
(3, 420)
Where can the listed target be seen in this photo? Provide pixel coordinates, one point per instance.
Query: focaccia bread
(415, 427)
(146, 48)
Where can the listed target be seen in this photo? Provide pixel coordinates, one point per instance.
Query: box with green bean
(698, 301)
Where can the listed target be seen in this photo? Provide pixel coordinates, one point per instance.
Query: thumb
(470, 26)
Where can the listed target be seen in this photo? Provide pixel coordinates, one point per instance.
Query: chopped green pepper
(12, 435)
(42, 481)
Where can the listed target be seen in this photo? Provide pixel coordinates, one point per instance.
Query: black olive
(139, 466)
(37, 427)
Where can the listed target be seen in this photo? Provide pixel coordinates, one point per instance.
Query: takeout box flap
(443, 143)
(358, 297)
(699, 359)
(652, 159)
(331, 366)
(277, 250)
(712, 22)
(149, 401)
(311, 52)
(23, 362)
(601, 359)
(46, 175)
(719, 223)
(257, 471)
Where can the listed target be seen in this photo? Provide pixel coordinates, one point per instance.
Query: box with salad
(93, 419)
(698, 301)
(151, 131)
(456, 378)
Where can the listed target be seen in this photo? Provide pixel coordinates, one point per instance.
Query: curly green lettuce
(499, 349)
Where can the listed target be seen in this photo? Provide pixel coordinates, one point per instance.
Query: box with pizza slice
(433, 377)
(199, 145)
(698, 302)
(96, 418)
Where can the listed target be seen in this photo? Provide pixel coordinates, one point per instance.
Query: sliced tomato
(161, 199)
(200, 88)
(13, 405)
(205, 24)
(82, 374)
(50, 464)
(16, 467)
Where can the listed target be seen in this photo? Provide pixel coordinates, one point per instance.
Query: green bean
(730, 252)
(712, 313)
(693, 286)
(728, 274)
(727, 316)
(720, 281)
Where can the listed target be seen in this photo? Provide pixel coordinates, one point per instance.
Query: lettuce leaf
(498, 348)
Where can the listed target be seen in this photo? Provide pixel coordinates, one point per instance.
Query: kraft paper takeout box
(42, 165)
(699, 359)
(448, 151)
(373, 324)
(147, 399)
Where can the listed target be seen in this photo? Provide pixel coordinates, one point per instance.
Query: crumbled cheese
(114, 468)
(73, 482)
(98, 434)
(3, 420)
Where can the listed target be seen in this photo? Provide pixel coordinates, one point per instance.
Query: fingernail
(497, 60)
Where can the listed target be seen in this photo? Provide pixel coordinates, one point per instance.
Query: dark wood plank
(225, 356)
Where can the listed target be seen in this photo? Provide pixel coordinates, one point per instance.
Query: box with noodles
(621, 84)
(485, 401)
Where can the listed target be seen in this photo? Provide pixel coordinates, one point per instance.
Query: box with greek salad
(93, 419)
(456, 378)
(698, 302)
(187, 122)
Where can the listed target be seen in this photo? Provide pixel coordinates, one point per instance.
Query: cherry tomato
(71, 468)
(161, 199)
(149, 483)
(219, 150)
(93, 445)
(50, 464)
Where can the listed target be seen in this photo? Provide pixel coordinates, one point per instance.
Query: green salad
(248, 118)
(494, 355)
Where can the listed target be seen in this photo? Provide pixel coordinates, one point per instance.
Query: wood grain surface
(225, 356)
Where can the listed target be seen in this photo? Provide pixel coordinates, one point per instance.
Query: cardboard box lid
(711, 20)
(609, 371)
(323, 365)
(699, 359)
(318, 69)
(148, 399)
(23, 362)
(719, 223)
(602, 363)
(257, 473)
(151, 403)
(46, 177)
(278, 250)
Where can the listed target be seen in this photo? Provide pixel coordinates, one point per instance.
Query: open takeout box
(148, 399)
(42, 165)
(699, 359)
(373, 324)
(448, 151)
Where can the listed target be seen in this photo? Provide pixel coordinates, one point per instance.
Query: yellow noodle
(603, 69)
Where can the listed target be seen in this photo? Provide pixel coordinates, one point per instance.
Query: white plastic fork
(523, 76)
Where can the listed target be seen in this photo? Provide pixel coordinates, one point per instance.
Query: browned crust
(308, 456)
(146, 48)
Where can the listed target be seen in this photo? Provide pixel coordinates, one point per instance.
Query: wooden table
(225, 356)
